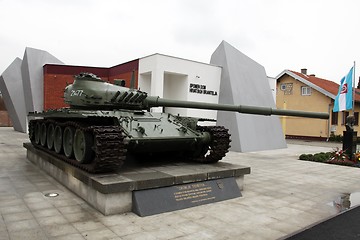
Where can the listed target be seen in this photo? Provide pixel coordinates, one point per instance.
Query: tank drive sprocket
(108, 146)
(218, 147)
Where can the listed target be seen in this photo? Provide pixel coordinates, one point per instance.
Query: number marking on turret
(76, 93)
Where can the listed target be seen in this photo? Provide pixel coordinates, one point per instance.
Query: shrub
(317, 157)
(338, 156)
(306, 157)
(320, 157)
(335, 138)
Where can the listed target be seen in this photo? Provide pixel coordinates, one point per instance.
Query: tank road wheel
(43, 134)
(37, 133)
(83, 142)
(50, 135)
(68, 141)
(58, 139)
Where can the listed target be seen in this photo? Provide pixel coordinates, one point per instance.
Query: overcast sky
(320, 35)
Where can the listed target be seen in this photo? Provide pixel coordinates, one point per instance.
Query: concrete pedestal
(112, 193)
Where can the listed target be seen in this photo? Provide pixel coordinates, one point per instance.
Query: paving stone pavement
(281, 195)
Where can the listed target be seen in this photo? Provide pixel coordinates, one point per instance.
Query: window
(305, 91)
(345, 114)
(334, 118)
(283, 87)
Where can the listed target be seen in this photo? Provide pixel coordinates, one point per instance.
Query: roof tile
(327, 85)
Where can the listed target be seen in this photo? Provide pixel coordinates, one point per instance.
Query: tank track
(109, 147)
(218, 146)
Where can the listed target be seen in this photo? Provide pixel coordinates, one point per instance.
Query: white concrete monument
(11, 87)
(33, 77)
(22, 85)
(244, 82)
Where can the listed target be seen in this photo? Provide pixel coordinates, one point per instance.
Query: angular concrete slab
(32, 74)
(11, 87)
(244, 82)
(112, 193)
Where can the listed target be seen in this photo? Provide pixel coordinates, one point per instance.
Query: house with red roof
(306, 92)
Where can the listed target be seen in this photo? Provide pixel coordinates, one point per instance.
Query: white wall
(175, 87)
(272, 83)
(171, 77)
(144, 81)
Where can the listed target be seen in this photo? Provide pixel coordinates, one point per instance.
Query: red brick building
(4, 116)
(56, 77)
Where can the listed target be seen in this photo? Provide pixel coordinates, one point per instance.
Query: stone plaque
(165, 199)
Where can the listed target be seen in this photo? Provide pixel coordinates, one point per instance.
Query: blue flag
(344, 98)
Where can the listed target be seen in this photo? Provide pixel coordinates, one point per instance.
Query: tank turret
(107, 122)
(89, 91)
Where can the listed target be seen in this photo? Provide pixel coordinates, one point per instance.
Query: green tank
(106, 122)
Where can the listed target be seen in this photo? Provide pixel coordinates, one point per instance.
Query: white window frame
(305, 91)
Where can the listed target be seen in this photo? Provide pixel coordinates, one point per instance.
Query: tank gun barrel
(152, 101)
(89, 91)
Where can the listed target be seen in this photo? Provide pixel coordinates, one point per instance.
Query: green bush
(335, 138)
(328, 155)
(306, 157)
(317, 157)
(320, 157)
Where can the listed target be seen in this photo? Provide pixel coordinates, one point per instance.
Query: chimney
(312, 75)
(358, 86)
(304, 71)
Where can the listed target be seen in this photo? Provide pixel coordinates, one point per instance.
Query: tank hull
(139, 133)
(143, 131)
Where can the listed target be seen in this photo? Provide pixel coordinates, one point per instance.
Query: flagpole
(353, 90)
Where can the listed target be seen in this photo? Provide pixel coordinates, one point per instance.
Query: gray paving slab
(281, 195)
